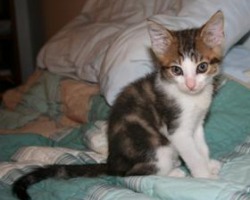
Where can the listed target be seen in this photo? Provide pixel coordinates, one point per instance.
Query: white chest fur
(200, 101)
(188, 138)
(193, 106)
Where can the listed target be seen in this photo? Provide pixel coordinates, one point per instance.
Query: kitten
(158, 118)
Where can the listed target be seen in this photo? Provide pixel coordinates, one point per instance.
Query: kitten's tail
(55, 171)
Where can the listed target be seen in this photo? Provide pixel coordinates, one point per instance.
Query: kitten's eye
(202, 67)
(176, 70)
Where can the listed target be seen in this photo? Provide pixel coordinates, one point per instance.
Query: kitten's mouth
(192, 91)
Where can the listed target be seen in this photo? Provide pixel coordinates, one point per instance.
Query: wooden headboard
(55, 14)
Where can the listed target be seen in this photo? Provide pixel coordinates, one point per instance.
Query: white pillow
(246, 42)
(128, 58)
(79, 48)
(127, 11)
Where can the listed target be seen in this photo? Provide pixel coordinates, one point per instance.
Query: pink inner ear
(160, 38)
(213, 31)
(160, 44)
(214, 38)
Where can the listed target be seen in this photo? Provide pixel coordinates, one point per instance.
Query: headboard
(55, 15)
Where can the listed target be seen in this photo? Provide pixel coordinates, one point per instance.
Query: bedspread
(234, 183)
(227, 132)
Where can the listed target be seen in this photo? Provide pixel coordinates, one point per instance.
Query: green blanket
(226, 127)
(42, 98)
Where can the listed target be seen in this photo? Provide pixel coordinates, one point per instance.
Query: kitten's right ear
(213, 31)
(161, 38)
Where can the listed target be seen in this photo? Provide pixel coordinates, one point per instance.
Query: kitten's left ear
(161, 38)
(213, 31)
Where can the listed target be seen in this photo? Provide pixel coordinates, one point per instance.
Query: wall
(24, 37)
(37, 21)
(56, 13)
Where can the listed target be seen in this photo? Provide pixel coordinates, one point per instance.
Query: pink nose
(190, 83)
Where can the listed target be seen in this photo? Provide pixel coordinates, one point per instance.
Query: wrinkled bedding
(47, 104)
(228, 137)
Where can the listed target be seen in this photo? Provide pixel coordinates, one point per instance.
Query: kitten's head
(189, 58)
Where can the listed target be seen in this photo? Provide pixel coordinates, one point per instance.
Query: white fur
(164, 156)
(188, 139)
(189, 70)
(168, 162)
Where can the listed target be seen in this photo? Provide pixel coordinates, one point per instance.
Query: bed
(59, 115)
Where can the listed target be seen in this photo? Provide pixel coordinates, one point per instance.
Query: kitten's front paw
(177, 172)
(214, 166)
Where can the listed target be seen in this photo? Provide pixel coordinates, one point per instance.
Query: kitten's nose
(190, 83)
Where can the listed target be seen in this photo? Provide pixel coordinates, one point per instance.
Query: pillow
(129, 57)
(74, 52)
(236, 65)
(127, 12)
(246, 42)
(79, 48)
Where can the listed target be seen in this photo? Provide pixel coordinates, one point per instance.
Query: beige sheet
(75, 97)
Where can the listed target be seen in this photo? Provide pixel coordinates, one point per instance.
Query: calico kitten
(159, 117)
